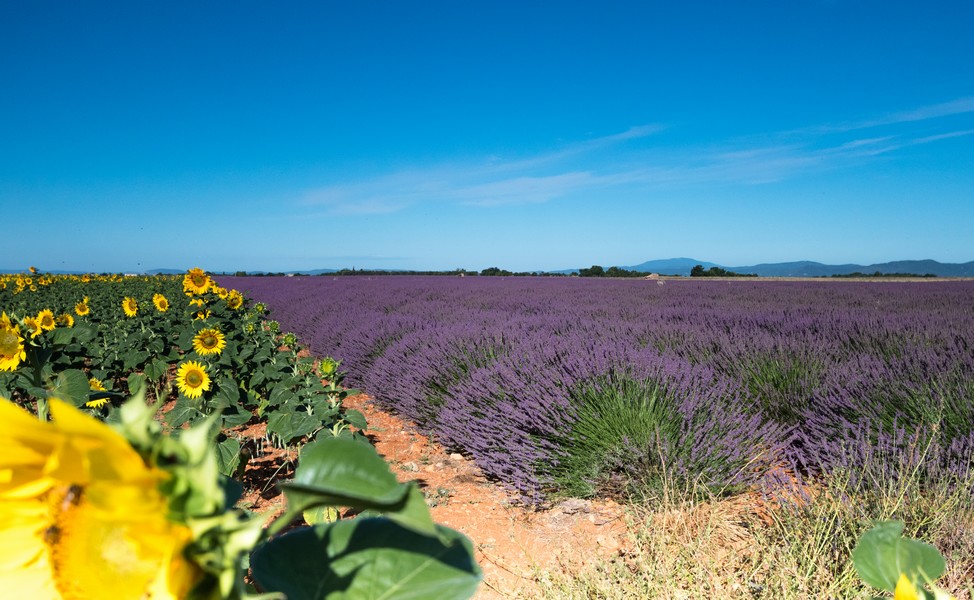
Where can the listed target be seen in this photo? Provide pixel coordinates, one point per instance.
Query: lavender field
(584, 386)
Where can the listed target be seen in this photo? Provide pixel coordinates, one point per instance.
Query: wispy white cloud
(958, 106)
(617, 161)
(522, 190)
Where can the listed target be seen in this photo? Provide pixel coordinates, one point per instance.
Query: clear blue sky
(527, 135)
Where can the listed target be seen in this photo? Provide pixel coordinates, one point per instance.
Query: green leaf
(136, 382)
(367, 559)
(321, 514)
(882, 555)
(290, 424)
(134, 359)
(155, 369)
(349, 472)
(227, 394)
(233, 416)
(182, 412)
(71, 386)
(355, 418)
(228, 456)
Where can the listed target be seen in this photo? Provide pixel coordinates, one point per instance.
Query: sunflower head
(45, 319)
(192, 379)
(97, 403)
(65, 320)
(130, 306)
(203, 315)
(87, 511)
(209, 341)
(33, 327)
(12, 351)
(196, 281)
(96, 385)
(161, 302)
(234, 300)
(76, 490)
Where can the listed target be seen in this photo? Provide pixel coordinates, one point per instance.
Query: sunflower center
(100, 549)
(194, 379)
(209, 341)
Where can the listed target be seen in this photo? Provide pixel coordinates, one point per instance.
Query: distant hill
(805, 268)
(670, 266)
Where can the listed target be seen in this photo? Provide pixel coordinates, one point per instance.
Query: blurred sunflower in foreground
(11, 345)
(85, 514)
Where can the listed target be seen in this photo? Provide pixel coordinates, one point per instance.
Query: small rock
(574, 505)
(456, 456)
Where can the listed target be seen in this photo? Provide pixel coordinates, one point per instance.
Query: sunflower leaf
(367, 558)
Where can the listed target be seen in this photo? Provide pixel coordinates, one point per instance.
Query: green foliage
(699, 271)
(367, 559)
(399, 552)
(883, 555)
(614, 417)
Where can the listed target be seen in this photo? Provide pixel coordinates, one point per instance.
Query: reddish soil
(512, 542)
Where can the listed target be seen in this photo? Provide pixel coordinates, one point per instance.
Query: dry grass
(745, 547)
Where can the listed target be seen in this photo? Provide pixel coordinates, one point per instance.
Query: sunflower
(130, 306)
(196, 281)
(81, 309)
(97, 403)
(11, 345)
(234, 300)
(203, 315)
(33, 326)
(197, 302)
(45, 319)
(82, 513)
(209, 341)
(162, 304)
(96, 385)
(192, 379)
(65, 320)
(219, 291)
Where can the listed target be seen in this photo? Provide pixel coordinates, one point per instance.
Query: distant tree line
(599, 271)
(698, 271)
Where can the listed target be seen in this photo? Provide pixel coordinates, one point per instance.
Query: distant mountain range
(805, 268)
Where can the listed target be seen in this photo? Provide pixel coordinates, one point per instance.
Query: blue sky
(525, 135)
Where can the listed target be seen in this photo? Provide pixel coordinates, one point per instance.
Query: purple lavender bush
(726, 378)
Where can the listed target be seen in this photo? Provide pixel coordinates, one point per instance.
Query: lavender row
(809, 374)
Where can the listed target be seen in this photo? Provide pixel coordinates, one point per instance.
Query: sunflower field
(120, 398)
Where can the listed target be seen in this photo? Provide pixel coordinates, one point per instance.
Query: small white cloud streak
(577, 168)
(523, 190)
(924, 113)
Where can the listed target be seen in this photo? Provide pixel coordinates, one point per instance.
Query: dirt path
(512, 542)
